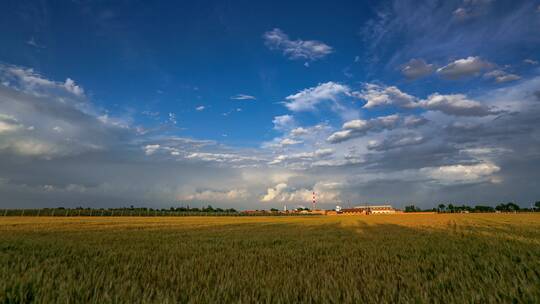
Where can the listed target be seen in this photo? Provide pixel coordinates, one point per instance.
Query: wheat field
(440, 258)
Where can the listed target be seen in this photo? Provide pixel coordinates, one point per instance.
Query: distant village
(359, 210)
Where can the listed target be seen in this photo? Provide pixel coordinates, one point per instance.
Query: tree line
(451, 208)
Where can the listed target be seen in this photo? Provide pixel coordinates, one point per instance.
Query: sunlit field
(439, 258)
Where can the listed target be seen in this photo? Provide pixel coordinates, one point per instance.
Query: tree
(509, 207)
(412, 208)
(274, 210)
(441, 207)
(480, 208)
(208, 209)
(537, 205)
(451, 207)
(512, 206)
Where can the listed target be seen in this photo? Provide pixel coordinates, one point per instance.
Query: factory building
(365, 210)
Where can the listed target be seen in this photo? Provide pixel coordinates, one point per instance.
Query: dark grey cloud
(396, 141)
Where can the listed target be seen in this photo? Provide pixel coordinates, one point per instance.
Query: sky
(258, 104)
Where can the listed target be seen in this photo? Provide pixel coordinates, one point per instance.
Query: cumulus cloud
(50, 119)
(302, 157)
(100, 160)
(530, 61)
(290, 142)
(151, 149)
(378, 95)
(465, 67)
(273, 193)
(326, 192)
(70, 86)
(308, 99)
(451, 104)
(200, 108)
(298, 49)
(358, 127)
(455, 104)
(299, 131)
(463, 173)
(284, 122)
(27, 80)
(417, 68)
(216, 196)
(501, 76)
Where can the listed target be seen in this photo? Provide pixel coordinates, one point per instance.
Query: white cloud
(9, 123)
(243, 97)
(464, 67)
(298, 49)
(303, 156)
(224, 158)
(325, 192)
(452, 104)
(357, 128)
(216, 195)
(530, 61)
(307, 99)
(273, 193)
(290, 142)
(284, 122)
(501, 76)
(31, 82)
(200, 108)
(455, 104)
(151, 149)
(417, 68)
(299, 132)
(70, 86)
(462, 173)
(377, 95)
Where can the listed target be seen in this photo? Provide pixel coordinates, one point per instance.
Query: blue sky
(173, 57)
(256, 105)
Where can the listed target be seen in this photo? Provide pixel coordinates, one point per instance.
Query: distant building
(365, 210)
(378, 209)
(353, 211)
